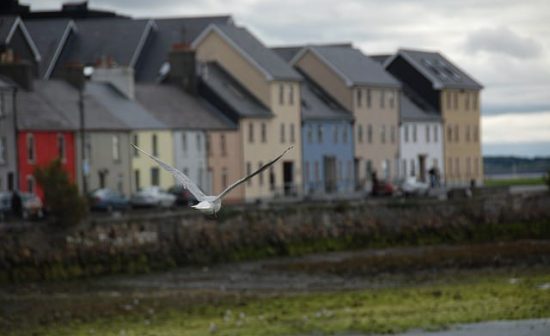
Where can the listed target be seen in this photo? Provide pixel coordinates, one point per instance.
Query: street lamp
(87, 72)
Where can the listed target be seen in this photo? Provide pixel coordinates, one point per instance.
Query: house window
(383, 134)
(116, 148)
(476, 166)
(335, 133)
(61, 147)
(184, 142)
(359, 97)
(31, 150)
(456, 133)
(155, 176)
(316, 171)
(414, 133)
(406, 131)
(222, 145)
(309, 134)
(251, 132)
(292, 134)
(448, 99)
(198, 139)
(457, 167)
(467, 133)
(263, 130)
(3, 150)
(474, 103)
(320, 133)
(360, 133)
(291, 95)
(137, 180)
(427, 130)
(224, 177)
(306, 172)
(369, 133)
(272, 180)
(393, 134)
(467, 103)
(30, 184)
(436, 133)
(154, 142)
(455, 100)
(449, 134)
(476, 133)
(261, 177)
(207, 144)
(413, 168)
(136, 143)
(345, 134)
(468, 167)
(392, 99)
(283, 133)
(382, 98)
(248, 172)
(281, 94)
(369, 100)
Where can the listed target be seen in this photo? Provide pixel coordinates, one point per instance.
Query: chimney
(122, 78)
(183, 70)
(18, 71)
(73, 73)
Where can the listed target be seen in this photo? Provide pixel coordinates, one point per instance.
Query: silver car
(152, 197)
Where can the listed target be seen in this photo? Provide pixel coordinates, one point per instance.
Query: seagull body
(208, 205)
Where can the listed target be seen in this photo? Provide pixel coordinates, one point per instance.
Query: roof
(289, 52)
(317, 104)
(380, 58)
(8, 25)
(231, 93)
(120, 39)
(438, 69)
(179, 109)
(264, 59)
(414, 108)
(49, 36)
(129, 112)
(53, 105)
(353, 66)
(171, 31)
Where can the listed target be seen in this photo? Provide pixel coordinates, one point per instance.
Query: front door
(329, 170)
(11, 181)
(422, 167)
(288, 177)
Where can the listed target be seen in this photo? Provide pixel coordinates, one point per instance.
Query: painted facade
(190, 148)
(225, 163)
(328, 157)
(421, 149)
(39, 148)
(145, 172)
(8, 153)
(262, 139)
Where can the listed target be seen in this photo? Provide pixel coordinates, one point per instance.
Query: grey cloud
(503, 41)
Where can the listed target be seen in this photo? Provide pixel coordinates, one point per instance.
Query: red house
(39, 148)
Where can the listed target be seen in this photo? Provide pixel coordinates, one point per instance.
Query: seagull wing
(181, 177)
(244, 179)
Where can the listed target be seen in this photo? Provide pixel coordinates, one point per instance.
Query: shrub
(61, 197)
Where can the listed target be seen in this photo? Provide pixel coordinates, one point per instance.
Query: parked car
(183, 196)
(153, 197)
(32, 206)
(107, 200)
(410, 186)
(382, 188)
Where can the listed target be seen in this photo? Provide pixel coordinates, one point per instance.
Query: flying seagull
(209, 205)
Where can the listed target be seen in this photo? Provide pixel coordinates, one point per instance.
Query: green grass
(457, 298)
(514, 182)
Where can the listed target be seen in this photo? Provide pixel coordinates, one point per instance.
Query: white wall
(190, 156)
(411, 149)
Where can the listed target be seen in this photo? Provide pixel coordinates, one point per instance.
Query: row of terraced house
(208, 97)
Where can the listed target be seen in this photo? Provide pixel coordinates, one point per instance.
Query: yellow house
(145, 172)
(269, 120)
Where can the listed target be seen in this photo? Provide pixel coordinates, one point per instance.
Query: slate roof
(265, 59)
(318, 105)
(289, 52)
(6, 24)
(49, 37)
(179, 109)
(413, 108)
(219, 87)
(53, 105)
(380, 58)
(118, 38)
(169, 32)
(438, 69)
(354, 67)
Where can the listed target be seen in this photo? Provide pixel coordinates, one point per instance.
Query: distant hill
(515, 165)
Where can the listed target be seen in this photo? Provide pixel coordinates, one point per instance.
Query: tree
(61, 196)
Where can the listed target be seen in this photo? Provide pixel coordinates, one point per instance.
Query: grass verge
(454, 298)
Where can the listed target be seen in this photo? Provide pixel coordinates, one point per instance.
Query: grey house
(8, 148)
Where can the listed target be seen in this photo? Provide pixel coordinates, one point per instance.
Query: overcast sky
(504, 44)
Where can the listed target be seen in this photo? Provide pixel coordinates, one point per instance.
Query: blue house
(327, 143)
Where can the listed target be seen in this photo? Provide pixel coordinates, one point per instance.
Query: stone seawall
(147, 242)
